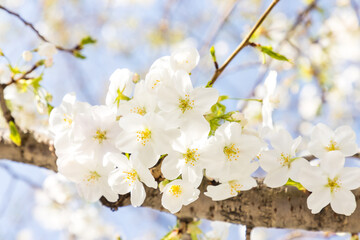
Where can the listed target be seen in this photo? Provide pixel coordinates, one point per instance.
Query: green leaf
(298, 185)
(50, 108)
(14, 134)
(222, 98)
(268, 51)
(78, 55)
(87, 40)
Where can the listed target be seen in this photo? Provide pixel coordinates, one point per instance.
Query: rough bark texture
(34, 150)
(283, 207)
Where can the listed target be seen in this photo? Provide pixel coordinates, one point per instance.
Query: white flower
(230, 152)
(178, 193)
(157, 77)
(90, 176)
(186, 103)
(96, 130)
(231, 188)
(47, 50)
(186, 158)
(27, 56)
(324, 140)
(331, 183)
(184, 58)
(143, 102)
(128, 177)
(220, 231)
(281, 162)
(146, 135)
(120, 88)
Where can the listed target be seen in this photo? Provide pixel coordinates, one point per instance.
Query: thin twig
(248, 232)
(243, 44)
(69, 50)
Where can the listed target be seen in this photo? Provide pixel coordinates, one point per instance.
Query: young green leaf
(268, 51)
(14, 134)
(87, 40)
(298, 185)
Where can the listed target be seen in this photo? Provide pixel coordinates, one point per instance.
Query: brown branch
(243, 44)
(69, 50)
(283, 207)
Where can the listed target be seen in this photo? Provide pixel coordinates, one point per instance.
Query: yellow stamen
(100, 136)
(138, 110)
(286, 159)
(155, 83)
(143, 136)
(175, 190)
(231, 152)
(92, 177)
(130, 176)
(332, 146)
(186, 103)
(191, 157)
(333, 184)
(235, 187)
(67, 119)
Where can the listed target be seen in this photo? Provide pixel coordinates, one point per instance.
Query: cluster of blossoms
(108, 150)
(57, 207)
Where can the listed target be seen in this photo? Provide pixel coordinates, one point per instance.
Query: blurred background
(320, 84)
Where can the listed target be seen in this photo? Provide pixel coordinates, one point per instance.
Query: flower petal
(318, 200)
(138, 194)
(277, 178)
(343, 202)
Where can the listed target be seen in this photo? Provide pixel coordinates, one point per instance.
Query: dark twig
(72, 51)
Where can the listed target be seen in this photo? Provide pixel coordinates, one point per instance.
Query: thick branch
(34, 150)
(243, 44)
(283, 207)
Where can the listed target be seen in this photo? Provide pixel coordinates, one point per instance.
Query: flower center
(191, 157)
(231, 152)
(285, 159)
(100, 136)
(175, 190)
(67, 119)
(94, 176)
(138, 110)
(186, 103)
(155, 83)
(143, 136)
(130, 176)
(332, 146)
(333, 184)
(235, 187)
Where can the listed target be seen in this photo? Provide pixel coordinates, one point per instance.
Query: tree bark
(261, 206)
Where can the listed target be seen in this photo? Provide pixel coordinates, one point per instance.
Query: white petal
(318, 200)
(296, 167)
(343, 202)
(277, 178)
(138, 194)
(269, 160)
(349, 178)
(332, 163)
(312, 178)
(205, 98)
(219, 192)
(173, 204)
(118, 183)
(169, 166)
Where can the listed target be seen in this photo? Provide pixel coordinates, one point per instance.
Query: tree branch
(69, 50)
(243, 44)
(261, 206)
